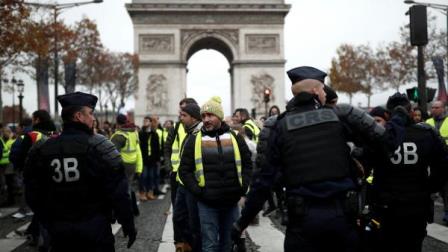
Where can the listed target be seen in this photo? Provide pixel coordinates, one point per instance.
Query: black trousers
(320, 226)
(94, 234)
(401, 232)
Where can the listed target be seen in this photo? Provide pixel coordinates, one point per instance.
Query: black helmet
(397, 99)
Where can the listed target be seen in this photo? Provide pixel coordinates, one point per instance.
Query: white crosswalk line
(115, 228)
(167, 242)
(7, 245)
(266, 235)
(438, 232)
(7, 211)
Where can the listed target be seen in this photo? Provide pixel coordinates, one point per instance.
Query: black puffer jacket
(221, 180)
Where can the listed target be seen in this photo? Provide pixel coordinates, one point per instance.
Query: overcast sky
(313, 31)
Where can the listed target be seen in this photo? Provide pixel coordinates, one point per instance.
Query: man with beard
(215, 167)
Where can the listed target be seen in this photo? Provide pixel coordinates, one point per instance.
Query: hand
(132, 235)
(236, 232)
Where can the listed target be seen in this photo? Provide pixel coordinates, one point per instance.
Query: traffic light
(418, 25)
(414, 95)
(267, 95)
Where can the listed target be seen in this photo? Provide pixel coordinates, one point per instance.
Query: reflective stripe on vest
(160, 136)
(199, 171)
(175, 147)
(6, 150)
(129, 150)
(443, 128)
(254, 128)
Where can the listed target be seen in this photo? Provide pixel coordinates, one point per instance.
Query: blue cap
(77, 99)
(306, 72)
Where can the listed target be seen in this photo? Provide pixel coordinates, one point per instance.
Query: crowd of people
(333, 171)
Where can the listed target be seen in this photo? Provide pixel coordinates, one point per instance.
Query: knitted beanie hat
(193, 110)
(213, 106)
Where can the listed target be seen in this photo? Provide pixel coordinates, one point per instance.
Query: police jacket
(76, 176)
(308, 147)
(404, 180)
(21, 147)
(149, 146)
(222, 187)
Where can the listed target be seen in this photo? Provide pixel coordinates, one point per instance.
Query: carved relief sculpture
(259, 83)
(230, 34)
(156, 43)
(156, 93)
(262, 43)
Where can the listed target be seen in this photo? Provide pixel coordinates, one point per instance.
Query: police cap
(77, 99)
(306, 72)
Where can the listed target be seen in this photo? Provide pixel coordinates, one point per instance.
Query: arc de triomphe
(167, 33)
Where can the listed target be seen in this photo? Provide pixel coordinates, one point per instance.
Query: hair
(106, 122)
(424, 113)
(26, 122)
(305, 86)
(68, 112)
(147, 117)
(273, 107)
(42, 115)
(187, 101)
(243, 112)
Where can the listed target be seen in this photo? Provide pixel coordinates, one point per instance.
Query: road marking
(115, 228)
(7, 245)
(438, 232)
(13, 235)
(7, 211)
(167, 242)
(438, 203)
(266, 235)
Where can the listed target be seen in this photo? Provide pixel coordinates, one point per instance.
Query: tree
(89, 48)
(345, 74)
(396, 65)
(125, 75)
(369, 71)
(13, 19)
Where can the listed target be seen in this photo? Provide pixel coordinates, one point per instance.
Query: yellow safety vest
(131, 153)
(254, 128)
(175, 147)
(199, 171)
(6, 150)
(443, 128)
(161, 140)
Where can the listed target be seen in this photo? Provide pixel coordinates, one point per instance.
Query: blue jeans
(149, 178)
(216, 224)
(186, 219)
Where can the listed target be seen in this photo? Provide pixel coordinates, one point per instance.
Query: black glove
(236, 232)
(132, 235)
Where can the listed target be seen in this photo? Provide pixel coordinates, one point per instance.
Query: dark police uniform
(75, 184)
(402, 184)
(308, 147)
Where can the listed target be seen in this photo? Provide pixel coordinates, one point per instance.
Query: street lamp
(56, 11)
(12, 88)
(444, 9)
(20, 89)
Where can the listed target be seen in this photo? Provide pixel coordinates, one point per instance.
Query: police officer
(75, 182)
(402, 184)
(316, 172)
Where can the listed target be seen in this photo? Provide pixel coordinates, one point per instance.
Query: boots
(150, 195)
(183, 247)
(142, 196)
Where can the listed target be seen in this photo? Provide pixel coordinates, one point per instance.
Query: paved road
(155, 232)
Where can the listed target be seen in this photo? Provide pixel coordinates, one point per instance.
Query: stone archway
(167, 34)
